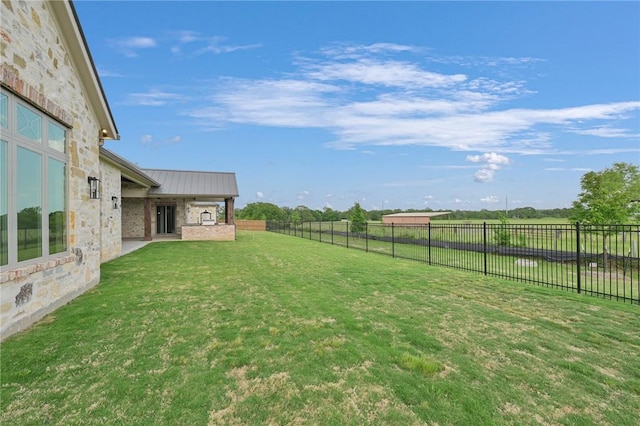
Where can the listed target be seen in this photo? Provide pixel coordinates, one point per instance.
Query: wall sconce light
(114, 202)
(102, 135)
(94, 187)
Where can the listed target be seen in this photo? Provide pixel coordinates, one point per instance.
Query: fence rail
(598, 260)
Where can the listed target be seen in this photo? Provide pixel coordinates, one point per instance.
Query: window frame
(47, 152)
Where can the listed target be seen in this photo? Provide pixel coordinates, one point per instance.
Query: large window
(33, 183)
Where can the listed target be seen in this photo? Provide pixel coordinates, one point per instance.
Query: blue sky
(445, 105)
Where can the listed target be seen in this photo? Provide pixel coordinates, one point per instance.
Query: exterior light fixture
(114, 202)
(102, 135)
(94, 187)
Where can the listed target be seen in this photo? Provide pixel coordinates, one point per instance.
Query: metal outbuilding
(417, 218)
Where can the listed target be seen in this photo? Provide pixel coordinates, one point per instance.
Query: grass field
(278, 330)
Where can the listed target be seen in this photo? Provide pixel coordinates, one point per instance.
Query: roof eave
(65, 14)
(128, 169)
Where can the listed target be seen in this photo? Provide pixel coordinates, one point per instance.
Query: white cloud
(384, 94)
(484, 175)
(175, 139)
(384, 73)
(302, 195)
(129, 46)
(491, 199)
(146, 139)
(216, 46)
(491, 162)
(153, 98)
(205, 44)
(103, 72)
(489, 158)
(259, 195)
(607, 132)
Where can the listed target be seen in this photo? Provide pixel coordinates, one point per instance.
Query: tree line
(610, 196)
(269, 211)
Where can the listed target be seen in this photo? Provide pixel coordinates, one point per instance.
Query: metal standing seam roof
(193, 183)
(417, 214)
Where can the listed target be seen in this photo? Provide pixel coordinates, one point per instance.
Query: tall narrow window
(29, 204)
(57, 207)
(4, 118)
(34, 209)
(57, 137)
(4, 204)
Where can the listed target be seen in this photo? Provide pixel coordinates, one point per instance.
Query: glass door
(165, 219)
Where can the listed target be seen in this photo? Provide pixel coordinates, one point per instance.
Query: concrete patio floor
(133, 244)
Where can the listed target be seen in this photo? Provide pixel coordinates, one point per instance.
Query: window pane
(56, 137)
(29, 204)
(29, 124)
(4, 120)
(4, 194)
(57, 210)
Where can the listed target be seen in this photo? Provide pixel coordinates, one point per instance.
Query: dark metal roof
(193, 184)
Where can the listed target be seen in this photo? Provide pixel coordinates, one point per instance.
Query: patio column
(147, 219)
(228, 211)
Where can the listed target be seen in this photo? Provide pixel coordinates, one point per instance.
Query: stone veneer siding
(133, 215)
(37, 67)
(209, 232)
(110, 217)
(132, 218)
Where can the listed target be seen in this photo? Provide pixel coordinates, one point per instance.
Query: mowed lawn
(272, 329)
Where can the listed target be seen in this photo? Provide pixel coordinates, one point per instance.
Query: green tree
(608, 197)
(502, 233)
(611, 196)
(264, 211)
(358, 218)
(330, 215)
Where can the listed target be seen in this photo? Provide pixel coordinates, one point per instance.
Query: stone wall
(37, 67)
(110, 212)
(209, 233)
(132, 218)
(194, 210)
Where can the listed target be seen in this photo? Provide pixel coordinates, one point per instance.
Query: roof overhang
(127, 169)
(71, 31)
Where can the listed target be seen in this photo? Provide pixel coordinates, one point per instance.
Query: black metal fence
(599, 260)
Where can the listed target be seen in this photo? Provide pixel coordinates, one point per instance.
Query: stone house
(66, 202)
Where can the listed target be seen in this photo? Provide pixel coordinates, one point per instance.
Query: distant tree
(30, 218)
(296, 216)
(358, 218)
(306, 214)
(261, 211)
(330, 215)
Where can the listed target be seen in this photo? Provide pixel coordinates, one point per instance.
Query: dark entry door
(165, 219)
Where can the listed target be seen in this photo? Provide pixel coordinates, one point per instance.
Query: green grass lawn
(278, 330)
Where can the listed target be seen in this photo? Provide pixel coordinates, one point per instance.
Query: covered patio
(176, 204)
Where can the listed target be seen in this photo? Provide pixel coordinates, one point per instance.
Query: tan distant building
(418, 218)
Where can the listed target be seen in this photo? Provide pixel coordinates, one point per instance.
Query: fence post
(310, 237)
(578, 257)
(366, 236)
(320, 231)
(347, 228)
(429, 241)
(393, 241)
(484, 245)
(331, 232)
